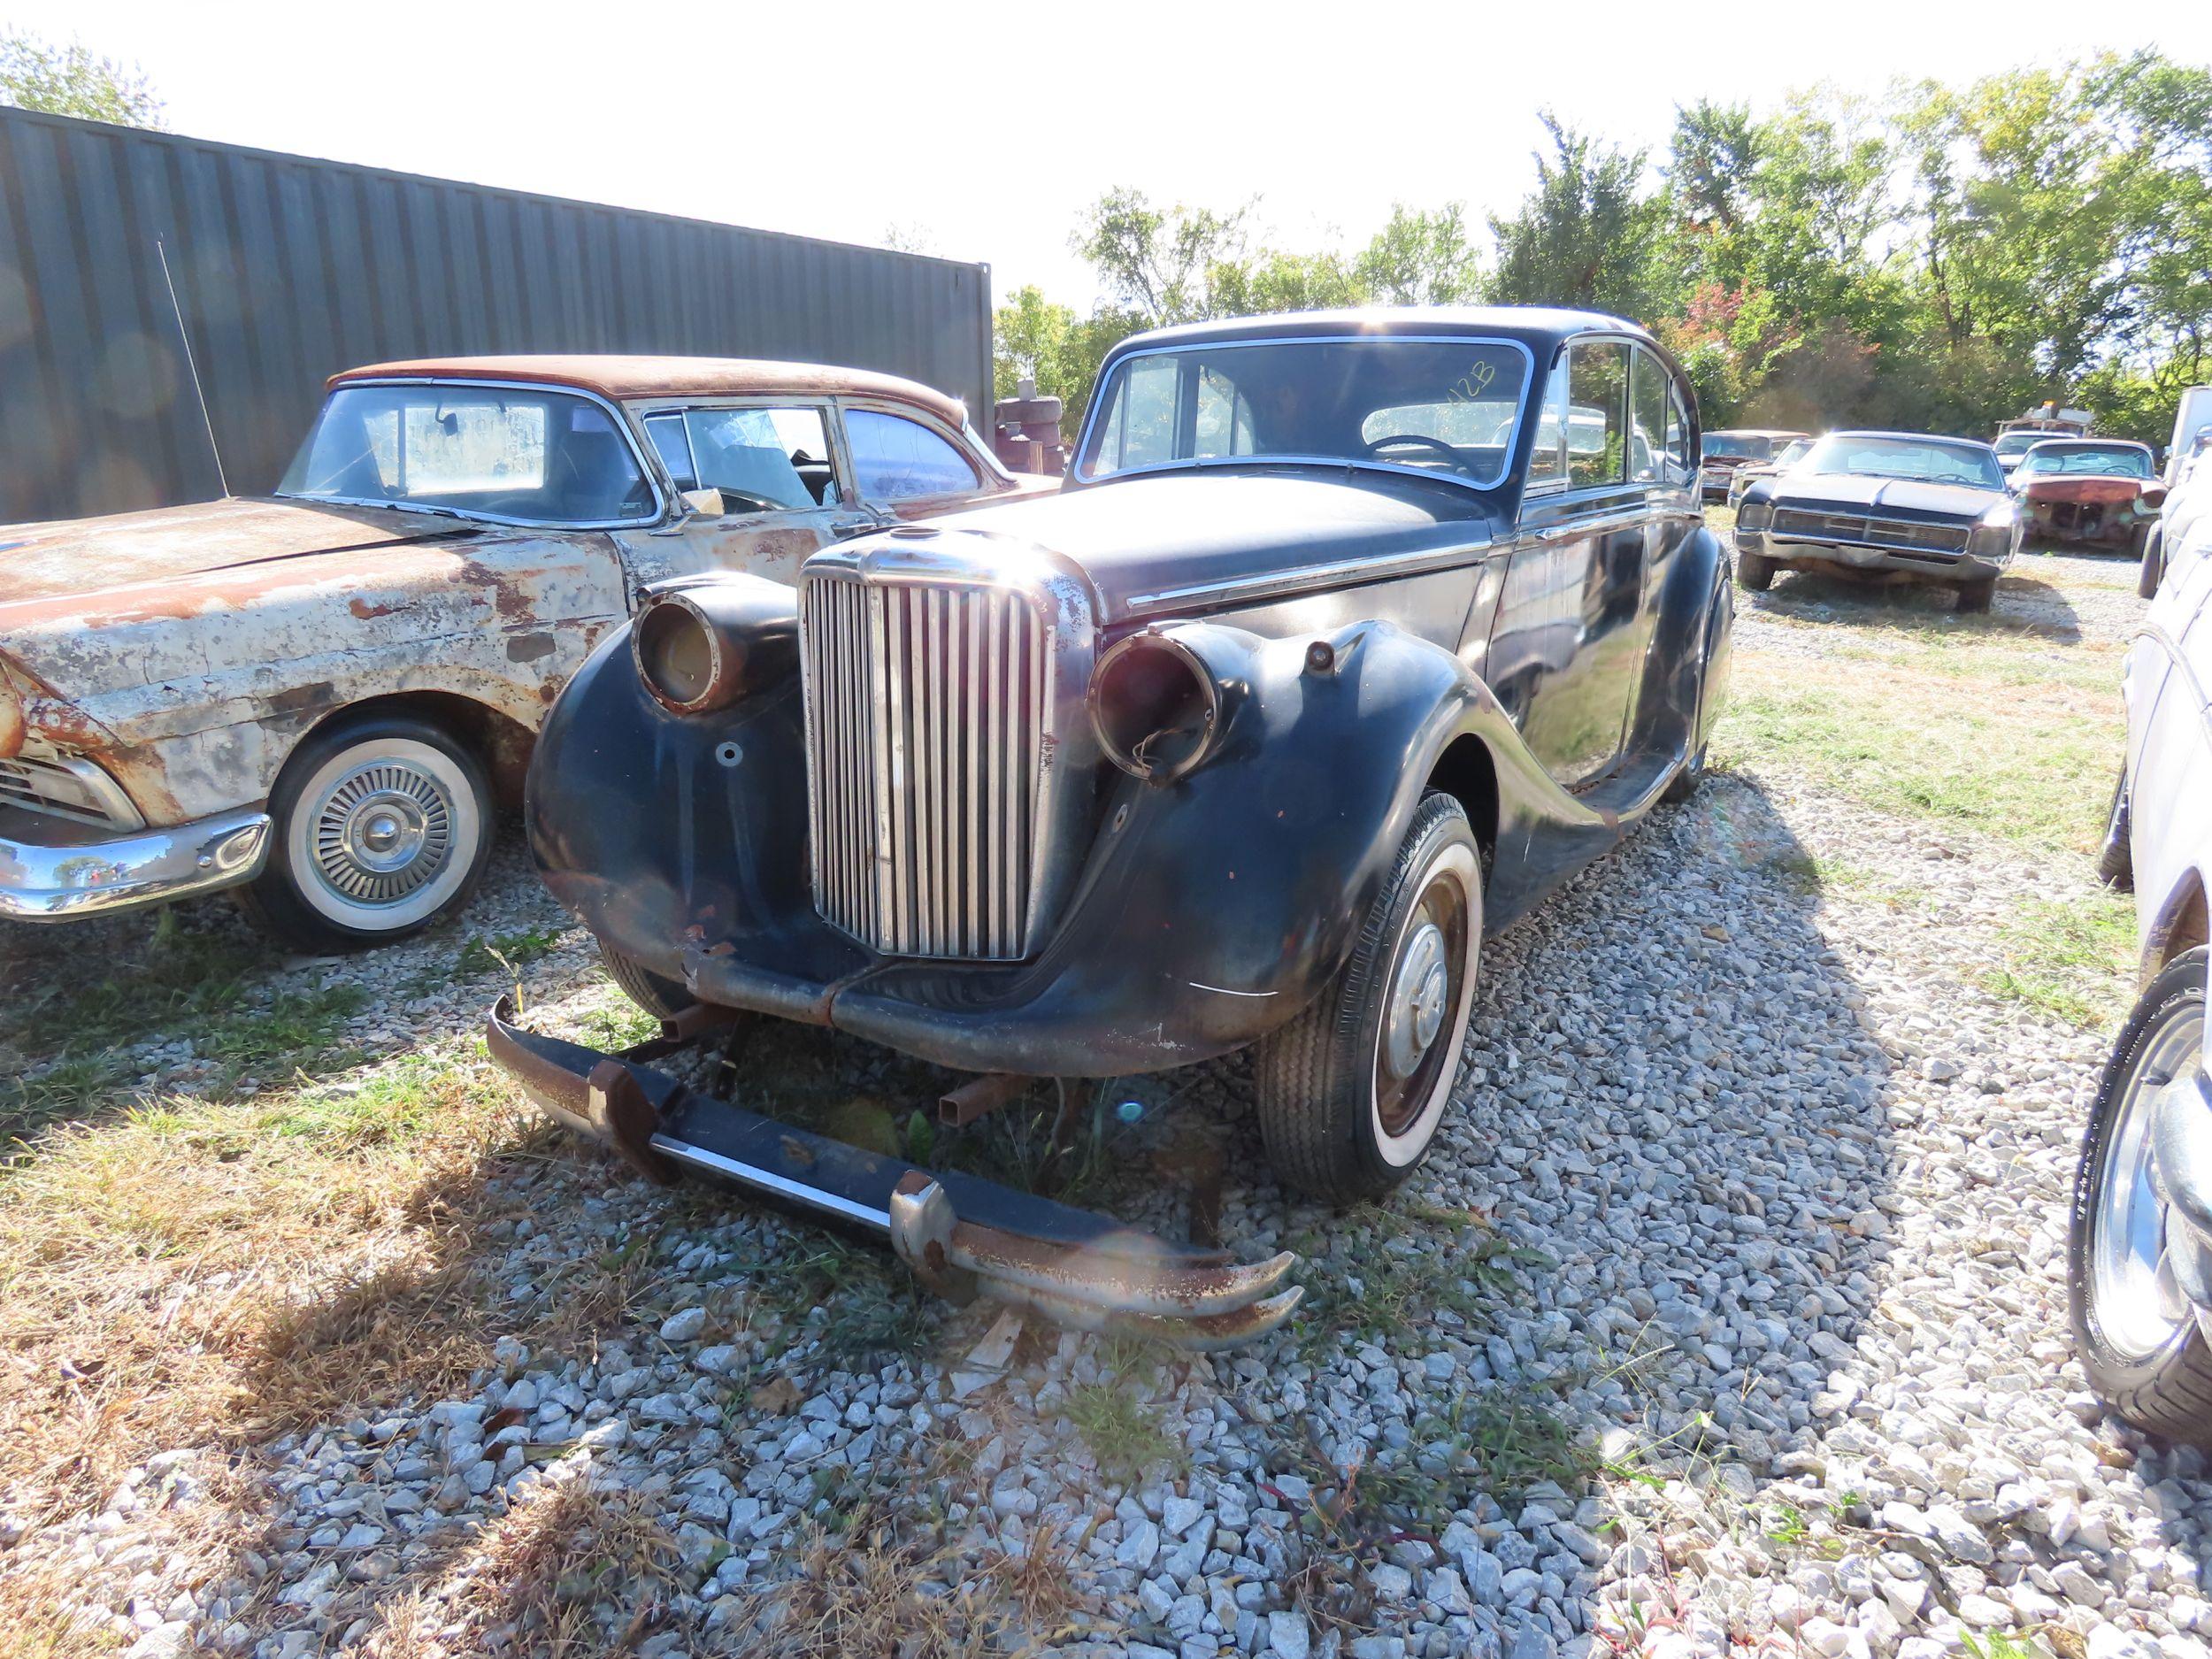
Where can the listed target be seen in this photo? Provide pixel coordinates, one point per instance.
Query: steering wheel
(1426, 442)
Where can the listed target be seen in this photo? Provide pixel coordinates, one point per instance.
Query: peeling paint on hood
(90, 555)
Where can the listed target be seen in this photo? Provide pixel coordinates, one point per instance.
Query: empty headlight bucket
(703, 646)
(1754, 515)
(1156, 706)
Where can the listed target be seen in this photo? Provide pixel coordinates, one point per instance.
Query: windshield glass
(542, 456)
(1734, 446)
(1448, 407)
(1929, 460)
(2018, 442)
(1794, 451)
(2106, 461)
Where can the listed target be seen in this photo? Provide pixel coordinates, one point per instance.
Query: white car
(2189, 492)
(2140, 1264)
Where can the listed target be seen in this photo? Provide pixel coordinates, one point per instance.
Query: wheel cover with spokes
(1424, 1004)
(383, 834)
(2139, 1304)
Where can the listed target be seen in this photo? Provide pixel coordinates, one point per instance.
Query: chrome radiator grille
(929, 724)
(1871, 532)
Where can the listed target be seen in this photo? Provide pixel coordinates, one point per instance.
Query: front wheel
(2115, 859)
(1755, 571)
(380, 824)
(1352, 1090)
(2137, 1336)
(661, 998)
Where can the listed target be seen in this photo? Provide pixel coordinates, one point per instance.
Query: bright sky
(983, 131)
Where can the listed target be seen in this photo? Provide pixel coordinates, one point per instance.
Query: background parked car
(2102, 490)
(2140, 1258)
(317, 698)
(2016, 438)
(1884, 506)
(1745, 476)
(1737, 446)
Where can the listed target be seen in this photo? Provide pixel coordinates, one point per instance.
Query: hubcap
(1419, 1000)
(383, 831)
(2139, 1304)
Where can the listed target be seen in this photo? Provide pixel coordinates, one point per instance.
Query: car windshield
(1448, 407)
(2018, 442)
(2103, 461)
(541, 456)
(1736, 446)
(1929, 460)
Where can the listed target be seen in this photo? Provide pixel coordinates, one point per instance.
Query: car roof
(2089, 443)
(1535, 326)
(617, 377)
(1756, 432)
(1917, 437)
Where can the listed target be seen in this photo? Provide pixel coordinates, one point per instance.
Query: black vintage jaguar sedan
(1884, 506)
(1350, 636)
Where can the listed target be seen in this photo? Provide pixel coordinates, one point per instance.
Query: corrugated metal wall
(290, 269)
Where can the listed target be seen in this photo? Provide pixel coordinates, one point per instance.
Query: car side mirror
(706, 503)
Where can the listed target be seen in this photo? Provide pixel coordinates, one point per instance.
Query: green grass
(869, 1307)
(2035, 770)
(1122, 1431)
(505, 952)
(2071, 959)
(185, 979)
(1417, 1259)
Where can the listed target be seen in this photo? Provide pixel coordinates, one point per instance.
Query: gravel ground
(1730, 1309)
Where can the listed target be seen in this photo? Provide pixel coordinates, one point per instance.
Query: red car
(2105, 490)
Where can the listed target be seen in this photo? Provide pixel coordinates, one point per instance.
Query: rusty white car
(317, 699)
(2140, 1263)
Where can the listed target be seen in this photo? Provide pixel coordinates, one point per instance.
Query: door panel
(1566, 650)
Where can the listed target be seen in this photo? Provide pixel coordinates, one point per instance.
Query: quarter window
(897, 460)
(1678, 464)
(1648, 409)
(1597, 393)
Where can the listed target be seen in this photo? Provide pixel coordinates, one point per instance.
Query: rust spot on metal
(368, 612)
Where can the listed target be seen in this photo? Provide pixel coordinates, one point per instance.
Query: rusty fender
(962, 1236)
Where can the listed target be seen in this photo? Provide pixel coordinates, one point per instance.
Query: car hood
(85, 557)
(1854, 492)
(1155, 544)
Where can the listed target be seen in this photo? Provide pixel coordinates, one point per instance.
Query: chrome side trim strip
(1304, 579)
(768, 1181)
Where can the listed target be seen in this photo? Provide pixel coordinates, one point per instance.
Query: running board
(962, 1235)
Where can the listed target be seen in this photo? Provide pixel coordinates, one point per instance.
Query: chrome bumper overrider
(961, 1235)
(54, 870)
(2181, 1171)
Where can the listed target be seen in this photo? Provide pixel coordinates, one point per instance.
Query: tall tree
(1160, 261)
(71, 79)
(1420, 258)
(1586, 235)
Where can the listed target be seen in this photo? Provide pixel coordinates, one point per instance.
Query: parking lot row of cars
(1347, 639)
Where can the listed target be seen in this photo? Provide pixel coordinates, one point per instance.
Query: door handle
(851, 526)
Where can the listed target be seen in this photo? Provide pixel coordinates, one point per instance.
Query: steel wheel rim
(2140, 1307)
(384, 834)
(1433, 946)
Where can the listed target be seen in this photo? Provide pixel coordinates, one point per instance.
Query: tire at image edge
(2170, 1393)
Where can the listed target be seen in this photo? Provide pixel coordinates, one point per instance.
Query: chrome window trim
(648, 469)
(1520, 408)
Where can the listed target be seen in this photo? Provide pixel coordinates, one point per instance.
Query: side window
(674, 448)
(1649, 385)
(1548, 461)
(897, 460)
(1597, 414)
(1680, 463)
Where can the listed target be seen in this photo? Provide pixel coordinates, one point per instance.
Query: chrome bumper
(1859, 555)
(54, 870)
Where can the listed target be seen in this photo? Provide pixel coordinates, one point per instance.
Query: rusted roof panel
(621, 377)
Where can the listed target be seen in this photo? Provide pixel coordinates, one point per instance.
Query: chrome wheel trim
(2137, 1306)
(383, 834)
(1458, 876)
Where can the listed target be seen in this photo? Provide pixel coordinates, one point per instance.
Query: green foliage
(71, 81)
(1941, 257)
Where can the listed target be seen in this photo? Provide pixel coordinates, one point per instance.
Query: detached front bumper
(1792, 553)
(52, 870)
(961, 1235)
